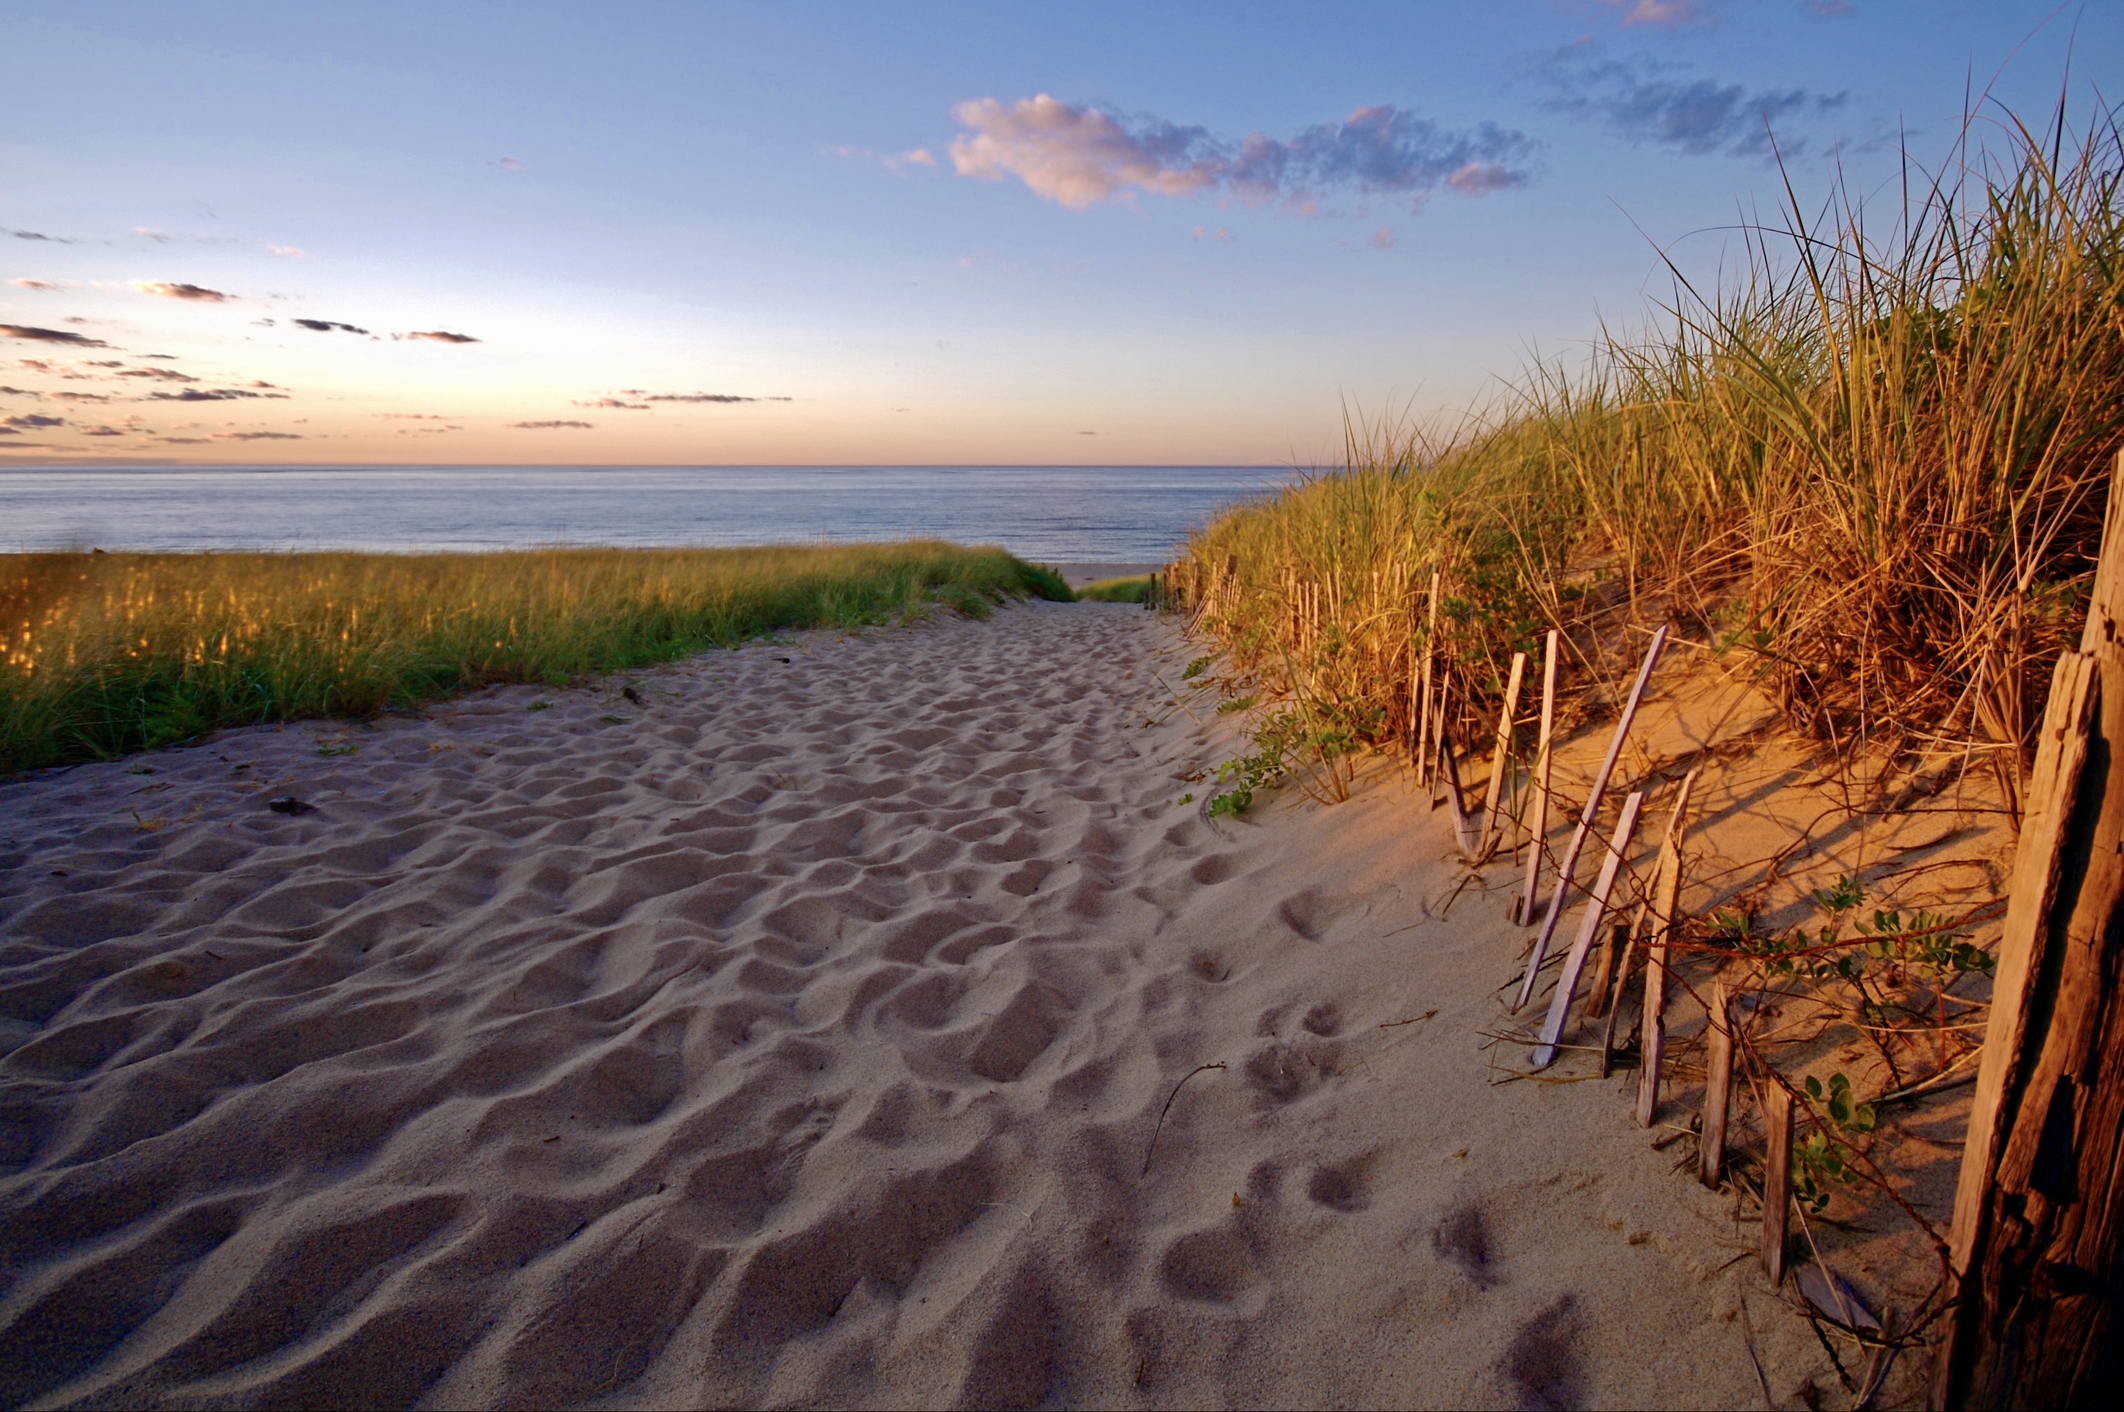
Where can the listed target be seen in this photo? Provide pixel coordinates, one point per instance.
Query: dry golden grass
(1875, 464)
(101, 654)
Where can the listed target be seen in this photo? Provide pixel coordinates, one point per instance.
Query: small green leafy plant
(1822, 1155)
(1196, 668)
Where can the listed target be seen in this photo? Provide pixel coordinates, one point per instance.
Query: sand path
(797, 1035)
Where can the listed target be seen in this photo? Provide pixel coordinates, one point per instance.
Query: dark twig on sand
(1152, 1149)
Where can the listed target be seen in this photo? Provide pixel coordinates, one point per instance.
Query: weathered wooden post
(2037, 1244)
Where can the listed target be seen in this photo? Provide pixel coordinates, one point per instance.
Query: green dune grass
(1121, 590)
(102, 654)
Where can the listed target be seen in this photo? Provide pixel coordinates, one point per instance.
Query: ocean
(1050, 514)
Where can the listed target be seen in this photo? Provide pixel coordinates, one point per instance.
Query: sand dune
(798, 1035)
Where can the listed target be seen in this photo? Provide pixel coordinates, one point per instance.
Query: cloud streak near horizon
(1079, 156)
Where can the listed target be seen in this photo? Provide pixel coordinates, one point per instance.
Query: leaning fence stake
(1718, 1081)
(1585, 820)
(1539, 838)
(1596, 907)
(1499, 761)
(1463, 834)
(1777, 1177)
(1425, 753)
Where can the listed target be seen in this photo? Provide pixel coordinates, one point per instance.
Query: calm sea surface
(1056, 514)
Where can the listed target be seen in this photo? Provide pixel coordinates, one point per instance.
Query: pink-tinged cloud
(1221, 235)
(1077, 157)
(440, 336)
(25, 282)
(1382, 239)
(551, 426)
(198, 293)
(510, 164)
(1080, 156)
(1660, 14)
(287, 252)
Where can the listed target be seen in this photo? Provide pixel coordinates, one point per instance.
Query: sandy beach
(795, 1027)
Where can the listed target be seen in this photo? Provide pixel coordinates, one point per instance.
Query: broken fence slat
(1588, 928)
(1501, 756)
(1777, 1176)
(1585, 821)
(1666, 896)
(1718, 1083)
(1463, 831)
(1530, 892)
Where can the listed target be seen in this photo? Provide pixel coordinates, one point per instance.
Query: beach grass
(1873, 465)
(1120, 590)
(104, 654)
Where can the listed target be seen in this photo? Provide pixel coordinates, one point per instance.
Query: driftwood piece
(1718, 1083)
(1777, 1176)
(1530, 891)
(1501, 756)
(2037, 1242)
(1589, 927)
(1585, 820)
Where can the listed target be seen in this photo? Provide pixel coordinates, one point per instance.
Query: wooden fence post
(2037, 1244)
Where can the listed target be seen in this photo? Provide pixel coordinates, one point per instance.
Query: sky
(869, 234)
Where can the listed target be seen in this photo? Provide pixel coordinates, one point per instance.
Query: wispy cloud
(1221, 235)
(258, 436)
(1382, 239)
(1078, 156)
(551, 426)
(1651, 104)
(719, 397)
(618, 404)
(28, 334)
(19, 392)
(216, 394)
(439, 336)
(26, 282)
(101, 431)
(326, 326)
(163, 374)
(34, 419)
(287, 252)
(509, 164)
(196, 292)
(895, 162)
(81, 397)
(40, 235)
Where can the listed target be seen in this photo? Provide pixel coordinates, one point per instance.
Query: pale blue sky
(715, 199)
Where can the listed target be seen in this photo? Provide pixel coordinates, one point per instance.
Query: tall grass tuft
(1876, 462)
(101, 654)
